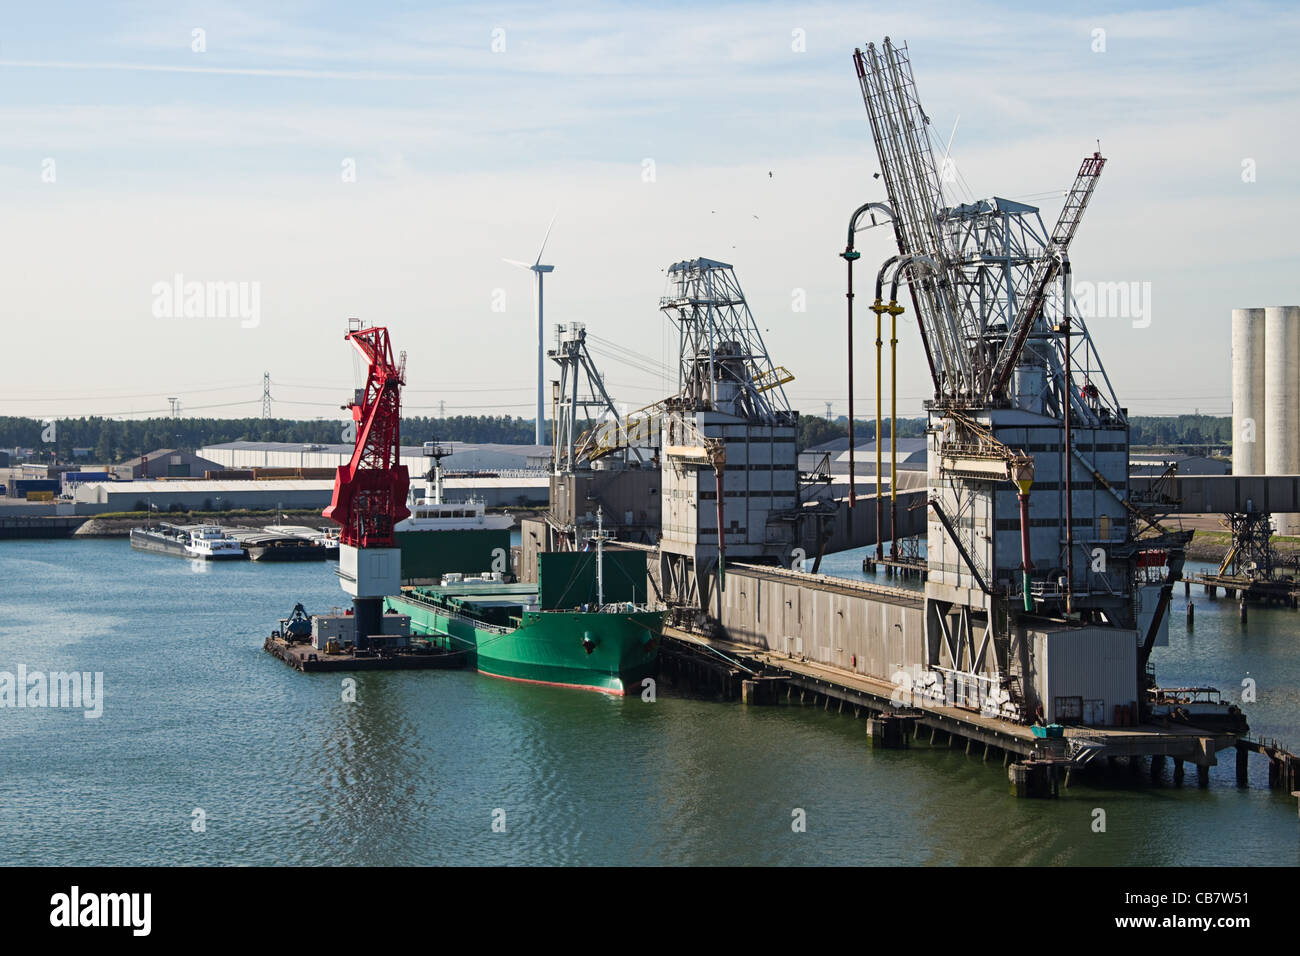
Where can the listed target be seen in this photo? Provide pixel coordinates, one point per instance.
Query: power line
(160, 393)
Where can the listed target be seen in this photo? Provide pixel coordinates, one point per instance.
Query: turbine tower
(539, 271)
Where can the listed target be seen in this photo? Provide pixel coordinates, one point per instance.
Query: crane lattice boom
(370, 490)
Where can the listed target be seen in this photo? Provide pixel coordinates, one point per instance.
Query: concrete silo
(1282, 399)
(1248, 390)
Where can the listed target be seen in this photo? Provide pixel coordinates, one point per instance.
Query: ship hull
(607, 652)
(310, 553)
(143, 541)
(146, 542)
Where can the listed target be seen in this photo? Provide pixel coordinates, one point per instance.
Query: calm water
(196, 715)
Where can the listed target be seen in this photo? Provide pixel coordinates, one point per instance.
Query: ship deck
(486, 593)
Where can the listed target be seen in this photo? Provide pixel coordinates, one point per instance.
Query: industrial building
(1041, 601)
(202, 495)
(510, 460)
(164, 463)
(288, 493)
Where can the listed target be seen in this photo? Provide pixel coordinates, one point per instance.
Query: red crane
(370, 490)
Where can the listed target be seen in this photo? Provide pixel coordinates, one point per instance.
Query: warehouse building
(287, 493)
(201, 495)
(505, 460)
(164, 463)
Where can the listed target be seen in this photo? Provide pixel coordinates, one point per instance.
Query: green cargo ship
(611, 650)
(585, 624)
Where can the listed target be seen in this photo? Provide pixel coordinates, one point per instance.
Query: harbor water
(210, 751)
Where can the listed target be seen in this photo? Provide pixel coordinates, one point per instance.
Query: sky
(380, 161)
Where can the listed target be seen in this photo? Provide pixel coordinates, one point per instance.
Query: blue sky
(225, 165)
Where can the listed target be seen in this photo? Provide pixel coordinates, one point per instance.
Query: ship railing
(477, 624)
(628, 607)
(451, 615)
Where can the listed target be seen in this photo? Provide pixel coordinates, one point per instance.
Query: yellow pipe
(878, 308)
(894, 310)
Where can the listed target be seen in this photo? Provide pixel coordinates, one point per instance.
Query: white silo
(1248, 390)
(1282, 399)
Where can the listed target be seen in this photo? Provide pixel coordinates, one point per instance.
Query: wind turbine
(539, 270)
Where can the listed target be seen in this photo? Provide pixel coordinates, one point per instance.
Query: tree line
(111, 440)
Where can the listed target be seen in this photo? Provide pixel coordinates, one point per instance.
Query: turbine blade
(516, 262)
(544, 239)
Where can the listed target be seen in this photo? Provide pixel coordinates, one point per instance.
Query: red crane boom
(370, 490)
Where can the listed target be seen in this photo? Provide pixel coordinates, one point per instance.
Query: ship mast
(433, 477)
(600, 558)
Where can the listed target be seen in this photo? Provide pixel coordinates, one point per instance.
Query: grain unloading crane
(370, 490)
(1006, 346)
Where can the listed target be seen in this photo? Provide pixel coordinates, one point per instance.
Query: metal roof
(414, 451)
(204, 486)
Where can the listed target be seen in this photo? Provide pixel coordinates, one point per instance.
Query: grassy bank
(1213, 546)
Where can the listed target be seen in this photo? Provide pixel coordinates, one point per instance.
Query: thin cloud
(226, 70)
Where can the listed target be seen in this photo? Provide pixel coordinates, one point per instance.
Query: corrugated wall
(857, 631)
(1090, 663)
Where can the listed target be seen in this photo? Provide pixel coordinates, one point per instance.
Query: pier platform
(1276, 593)
(39, 526)
(764, 676)
(308, 659)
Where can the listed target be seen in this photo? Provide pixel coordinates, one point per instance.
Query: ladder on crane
(1049, 264)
